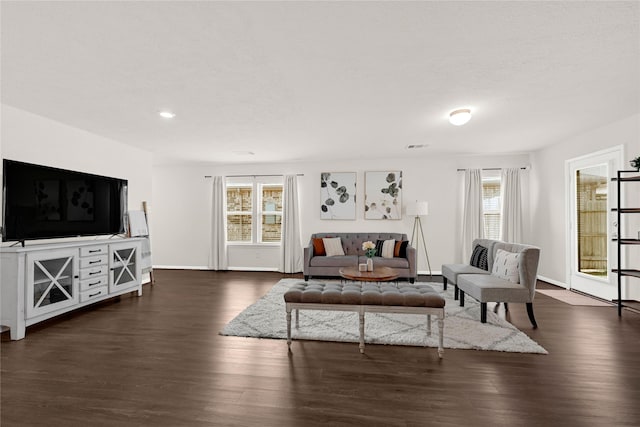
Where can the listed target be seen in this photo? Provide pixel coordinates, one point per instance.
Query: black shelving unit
(624, 176)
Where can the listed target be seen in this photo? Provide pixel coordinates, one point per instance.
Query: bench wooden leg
(455, 292)
(289, 328)
(461, 298)
(441, 337)
(483, 312)
(531, 316)
(361, 315)
(444, 283)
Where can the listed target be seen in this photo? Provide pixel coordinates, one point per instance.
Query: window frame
(257, 212)
(491, 177)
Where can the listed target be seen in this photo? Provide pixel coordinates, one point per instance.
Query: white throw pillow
(505, 266)
(333, 246)
(387, 248)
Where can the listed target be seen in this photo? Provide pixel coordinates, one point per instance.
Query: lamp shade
(418, 208)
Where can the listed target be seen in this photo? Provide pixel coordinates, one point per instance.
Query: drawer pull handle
(95, 262)
(91, 251)
(94, 272)
(93, 295)
(94, 283)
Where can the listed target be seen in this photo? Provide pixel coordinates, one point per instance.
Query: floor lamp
(418, 209)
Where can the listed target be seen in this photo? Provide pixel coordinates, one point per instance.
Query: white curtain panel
(290, 246)
(472, 220)
(218, 253)
(511, 230)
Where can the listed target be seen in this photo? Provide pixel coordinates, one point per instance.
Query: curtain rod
(493, 169)
(250, 176)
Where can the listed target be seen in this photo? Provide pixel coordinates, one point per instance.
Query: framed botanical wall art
(383, 195)
(338, 195)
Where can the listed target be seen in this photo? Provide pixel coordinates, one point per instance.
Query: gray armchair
(450, 272)
(491, 288)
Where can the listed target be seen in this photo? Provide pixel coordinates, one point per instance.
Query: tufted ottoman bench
(366, 298)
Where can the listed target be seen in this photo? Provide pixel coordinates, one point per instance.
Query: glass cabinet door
(51, 281)
(124, 266)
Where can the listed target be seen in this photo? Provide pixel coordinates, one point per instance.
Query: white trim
(253, 268)
(426, 273)
(181, 267)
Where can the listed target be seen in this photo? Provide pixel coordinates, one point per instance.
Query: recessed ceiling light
(167, 114)
(460, 116)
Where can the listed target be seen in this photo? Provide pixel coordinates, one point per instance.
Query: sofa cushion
(333, 246)
(380, 247)
(334, 261)
(400, 249)
(479, 257)
(318, 247)
(388, 248)
(386, 262)
(505, 266)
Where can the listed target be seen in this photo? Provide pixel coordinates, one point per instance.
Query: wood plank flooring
(158, 361)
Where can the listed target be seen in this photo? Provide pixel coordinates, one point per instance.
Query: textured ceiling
(319, 80)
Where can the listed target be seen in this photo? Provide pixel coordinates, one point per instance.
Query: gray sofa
(329, 266)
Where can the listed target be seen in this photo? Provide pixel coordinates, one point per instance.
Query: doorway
(591, 224)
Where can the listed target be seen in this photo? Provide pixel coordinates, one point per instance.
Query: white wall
(548, 189)
(35, 139)
(182, 197)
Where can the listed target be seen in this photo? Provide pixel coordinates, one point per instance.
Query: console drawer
(93, 283)
(94, 250)
(92, 272)
(93, 294)
(93, 261)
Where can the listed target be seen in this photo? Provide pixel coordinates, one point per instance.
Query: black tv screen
(42, 202)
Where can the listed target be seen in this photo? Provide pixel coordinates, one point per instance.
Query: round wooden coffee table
(379, 274)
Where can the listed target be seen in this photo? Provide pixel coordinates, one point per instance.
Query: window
(491, 205)
(254, 211)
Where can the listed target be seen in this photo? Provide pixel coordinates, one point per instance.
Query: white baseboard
(251, 269)
(181, 267)
(553, 282)
(204, 267)
(433, 273)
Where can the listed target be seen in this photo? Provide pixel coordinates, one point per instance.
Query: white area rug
(462, 328)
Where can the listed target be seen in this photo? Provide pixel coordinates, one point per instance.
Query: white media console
(40, 281)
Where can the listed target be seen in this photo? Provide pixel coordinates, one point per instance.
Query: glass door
(592, 224)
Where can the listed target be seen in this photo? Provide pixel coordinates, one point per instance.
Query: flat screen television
(41, 202)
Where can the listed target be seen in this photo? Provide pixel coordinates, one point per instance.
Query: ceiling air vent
(416, 146)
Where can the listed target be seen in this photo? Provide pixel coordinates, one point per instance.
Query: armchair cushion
(505, 266)
(479, 257)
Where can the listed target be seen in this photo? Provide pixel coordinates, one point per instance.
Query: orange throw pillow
(318, 247)
(400, 249)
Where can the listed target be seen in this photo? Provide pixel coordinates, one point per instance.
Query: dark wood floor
(158, 361)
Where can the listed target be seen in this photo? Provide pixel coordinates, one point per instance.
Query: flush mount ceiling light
(167, 114)
(460, 117)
